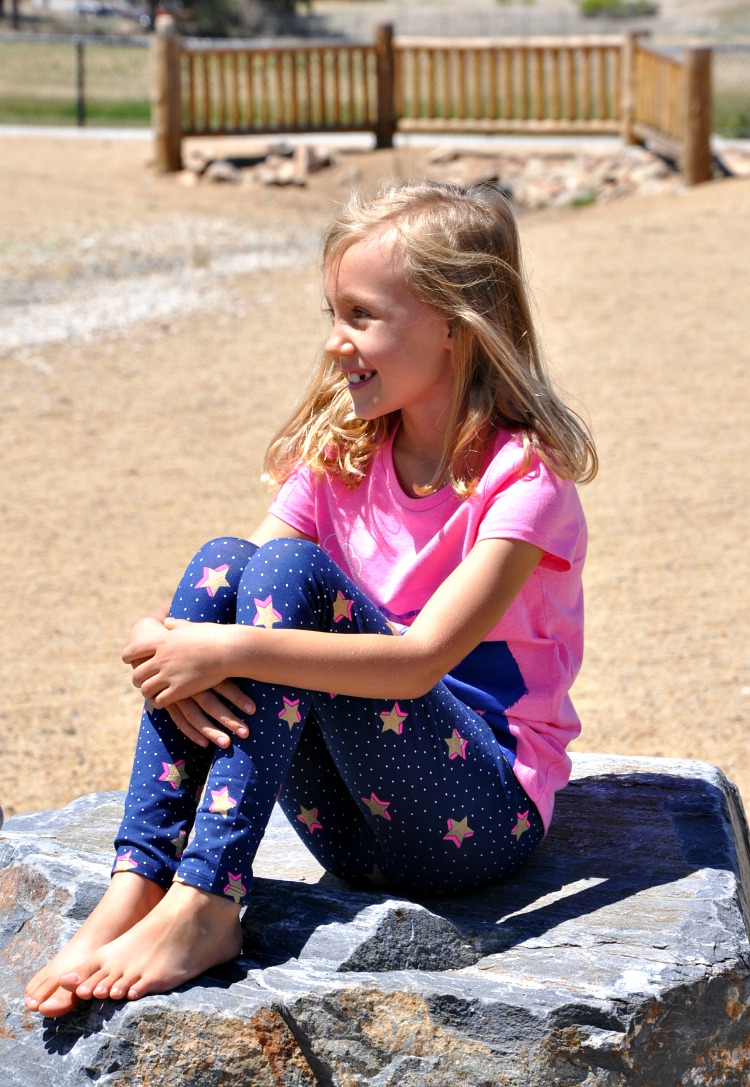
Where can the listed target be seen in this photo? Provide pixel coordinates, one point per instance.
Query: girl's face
(395, 351)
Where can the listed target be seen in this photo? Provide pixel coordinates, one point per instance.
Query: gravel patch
(79, 289)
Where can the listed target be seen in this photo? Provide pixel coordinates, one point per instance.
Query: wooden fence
(672, 107)
(593, 85)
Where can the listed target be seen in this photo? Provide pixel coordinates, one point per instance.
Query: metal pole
(80, 85)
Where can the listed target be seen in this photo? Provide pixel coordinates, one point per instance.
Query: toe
(58, 1003)
(97, 984)
(70, 981)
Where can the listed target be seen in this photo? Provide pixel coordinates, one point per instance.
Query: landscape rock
(223, 172)
(619, 956)
(536, 177)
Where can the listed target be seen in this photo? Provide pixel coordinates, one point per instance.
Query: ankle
(184, 895)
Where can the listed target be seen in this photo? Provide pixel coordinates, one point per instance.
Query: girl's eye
(360, 314)
(327, 312)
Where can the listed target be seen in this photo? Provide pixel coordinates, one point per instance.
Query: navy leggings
(417, 793)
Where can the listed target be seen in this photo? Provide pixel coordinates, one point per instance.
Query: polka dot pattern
(418, 793)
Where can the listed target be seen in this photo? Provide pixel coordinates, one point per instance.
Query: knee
(227, 548)
(291, 552)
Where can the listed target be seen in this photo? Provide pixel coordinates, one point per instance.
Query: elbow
(420, 678)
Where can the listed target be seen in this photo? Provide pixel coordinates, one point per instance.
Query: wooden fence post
(166, 97)
(696, 154)
(386, 73)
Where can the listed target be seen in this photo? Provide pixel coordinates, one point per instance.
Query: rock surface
(620, 956)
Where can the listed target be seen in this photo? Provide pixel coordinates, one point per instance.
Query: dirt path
(152, 336)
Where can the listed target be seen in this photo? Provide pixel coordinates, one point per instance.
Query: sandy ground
(153, 335)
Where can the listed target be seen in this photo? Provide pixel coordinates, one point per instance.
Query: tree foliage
(225, 18)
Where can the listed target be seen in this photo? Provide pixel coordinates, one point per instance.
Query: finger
(202, 723)
(137, 651)
(234, 694)
(143, 672)
(213, 706)
(153, 690)
(181, 722)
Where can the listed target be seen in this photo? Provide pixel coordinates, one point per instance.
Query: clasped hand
(177, 666)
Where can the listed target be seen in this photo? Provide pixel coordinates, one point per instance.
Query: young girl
(426, 506)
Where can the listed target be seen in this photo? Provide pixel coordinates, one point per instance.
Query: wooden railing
(289, 89)
(672, 107)
(594, 85)
(504, 85)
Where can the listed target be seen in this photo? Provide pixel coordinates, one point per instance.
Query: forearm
(363, 665)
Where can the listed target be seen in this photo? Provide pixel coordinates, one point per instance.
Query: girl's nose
(338, 342)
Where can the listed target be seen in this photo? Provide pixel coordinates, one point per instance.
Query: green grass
(38, 83)
(732, 114)
(51, 111)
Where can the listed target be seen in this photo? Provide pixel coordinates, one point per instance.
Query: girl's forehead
(372, 257)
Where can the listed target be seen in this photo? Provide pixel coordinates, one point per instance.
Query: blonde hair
(459, 252)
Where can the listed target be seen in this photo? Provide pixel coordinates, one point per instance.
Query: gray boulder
(618, 957)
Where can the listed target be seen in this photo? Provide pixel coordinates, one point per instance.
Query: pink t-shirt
(399, 548)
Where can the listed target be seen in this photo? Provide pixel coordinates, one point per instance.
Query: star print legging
(417, 793)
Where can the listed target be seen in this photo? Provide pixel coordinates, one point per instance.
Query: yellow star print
(522, 825)
(213, 579)
(458, 829)
(222, 802)
(342, 608)
(235, 888)
(393, 719)
(174, 773)
(309, 816)
(290, 713)
(377, 806)
(265, 613)
(179, 843)
(376, 876)
(456, 745)
(125, 863)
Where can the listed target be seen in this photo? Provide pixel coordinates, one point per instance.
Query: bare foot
(127, 900)
(187, 932)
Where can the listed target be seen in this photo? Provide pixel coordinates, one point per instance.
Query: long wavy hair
(459, 252)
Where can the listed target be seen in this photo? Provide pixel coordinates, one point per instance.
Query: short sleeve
(295, 502)
(537, 507)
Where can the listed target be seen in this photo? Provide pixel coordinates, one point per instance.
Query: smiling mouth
(358, 377)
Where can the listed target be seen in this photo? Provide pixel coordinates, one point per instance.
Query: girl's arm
(199, 716)
(459, 615)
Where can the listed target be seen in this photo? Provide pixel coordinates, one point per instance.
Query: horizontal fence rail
(592, 85)
(509, 85)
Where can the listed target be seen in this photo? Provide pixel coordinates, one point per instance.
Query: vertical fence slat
(601, 93)
(571, 111)
(525, 88)
(460, 99)
(192, 119)
(477, 99)
(586, 98)
(235, 91)
(322, 87)
(351, 97)
(537, 66)
(507, 93)
(492, 77)
(430, 79)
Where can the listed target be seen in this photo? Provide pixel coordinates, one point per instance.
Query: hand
(198, 717)
(177, 660)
